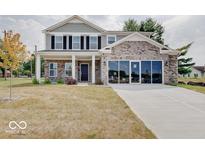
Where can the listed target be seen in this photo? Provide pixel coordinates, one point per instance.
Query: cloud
(182, 30)
(106, 22)
(29, 29)
(179, 30)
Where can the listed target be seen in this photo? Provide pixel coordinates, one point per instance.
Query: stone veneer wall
(61, 67)
(141, 50)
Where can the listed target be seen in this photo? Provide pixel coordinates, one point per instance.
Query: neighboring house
(197, 72)
(8, 74)
(86, 52)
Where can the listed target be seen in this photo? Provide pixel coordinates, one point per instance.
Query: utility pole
(31, 65)
(31, 58)
(35, 59)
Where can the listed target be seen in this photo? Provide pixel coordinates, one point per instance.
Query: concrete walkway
(170, 112)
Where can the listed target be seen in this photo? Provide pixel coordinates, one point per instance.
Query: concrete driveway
(170, 112)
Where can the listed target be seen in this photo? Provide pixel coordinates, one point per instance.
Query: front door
(84, 72)
(135, 71)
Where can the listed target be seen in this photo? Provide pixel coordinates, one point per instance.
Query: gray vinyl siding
(76, 27)
(195, 71)
(48, 41)
(79, 28)
(103, 40)
(119, 37)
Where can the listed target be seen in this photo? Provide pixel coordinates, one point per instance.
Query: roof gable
(200, 68)
(74, 20)
(136, 36)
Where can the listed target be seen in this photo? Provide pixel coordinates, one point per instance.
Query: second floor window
(59, 42)
(76, 42)
(111, 39)
(93, 42)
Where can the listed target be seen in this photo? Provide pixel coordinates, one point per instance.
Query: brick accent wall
(141, 50)
(61, 67)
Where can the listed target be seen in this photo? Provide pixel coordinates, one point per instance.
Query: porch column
(38, 66)
(93, 68)
(73, 66)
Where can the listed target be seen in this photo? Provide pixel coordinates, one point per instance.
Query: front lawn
(194, 88)
(62, 111)
(192, 79)
(15, 82)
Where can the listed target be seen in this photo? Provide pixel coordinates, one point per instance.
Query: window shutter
(82, 42)
(99, 42)
(52, 42)
(70, 42)
(64, 42)
(87, 42)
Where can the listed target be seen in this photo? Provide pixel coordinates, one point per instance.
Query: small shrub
(195, 83)
(195, 75)
(70, 81)
(15, 73)
(35, 81)
(47, 81)
(27, 73)
(91, 136)
(181, 82)
(98, 82)
(60, 81)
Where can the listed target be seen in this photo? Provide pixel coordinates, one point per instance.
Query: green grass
(192, 79)
(194, 88)
(62, 111)
(15, 82)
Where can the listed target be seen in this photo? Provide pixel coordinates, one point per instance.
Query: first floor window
(125, 71)
(135, 71)
(156, 71)
(146, 71)
(53, 69)
(68, 69)
(113, 71)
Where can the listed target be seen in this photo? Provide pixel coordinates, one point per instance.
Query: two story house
(86, 52)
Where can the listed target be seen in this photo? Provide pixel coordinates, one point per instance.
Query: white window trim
(76, 42)
(68, 69)
(58, 42)
(111, 36)
(93, 43)
(53, 69)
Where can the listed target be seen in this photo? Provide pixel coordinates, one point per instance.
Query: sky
(179, 30)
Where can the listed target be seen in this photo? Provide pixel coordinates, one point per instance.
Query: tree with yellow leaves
(12, 52)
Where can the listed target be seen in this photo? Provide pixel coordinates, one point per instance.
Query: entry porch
(81, 67)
